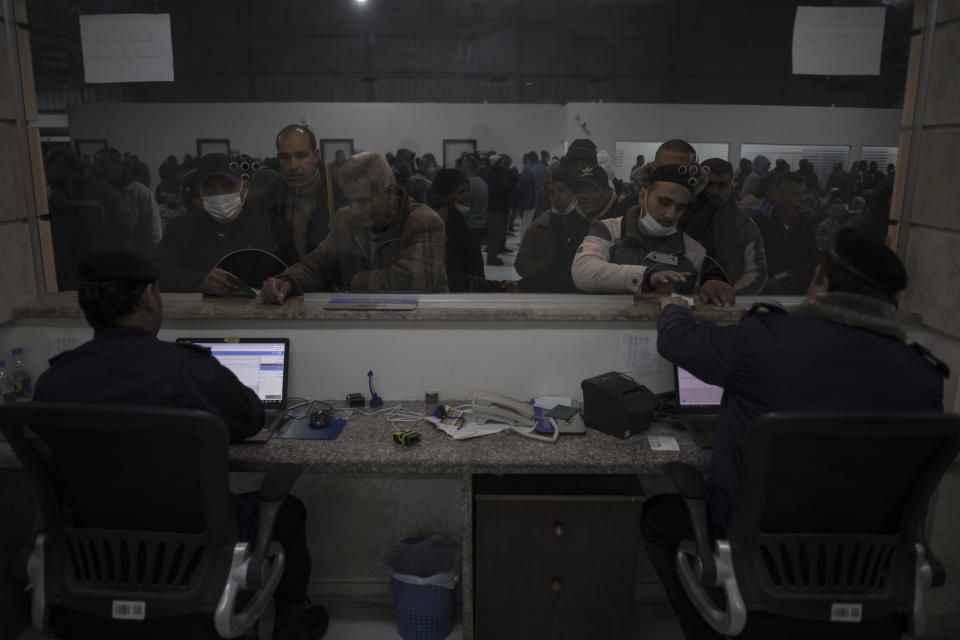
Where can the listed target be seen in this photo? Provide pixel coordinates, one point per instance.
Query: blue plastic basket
(424, 612)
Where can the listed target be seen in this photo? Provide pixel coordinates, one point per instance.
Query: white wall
(733, 124)
(154, 131)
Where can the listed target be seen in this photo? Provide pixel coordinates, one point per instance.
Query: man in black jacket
(195, 243)
(843, 349)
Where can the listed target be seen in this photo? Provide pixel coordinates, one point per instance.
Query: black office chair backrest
(135, 502)
(831, 506)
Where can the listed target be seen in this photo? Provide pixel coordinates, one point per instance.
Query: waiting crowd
(223, 224)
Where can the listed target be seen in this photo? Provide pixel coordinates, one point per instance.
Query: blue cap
(17, 351)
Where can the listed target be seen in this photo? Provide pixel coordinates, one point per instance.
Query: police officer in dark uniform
(125, 363)
(774, 360)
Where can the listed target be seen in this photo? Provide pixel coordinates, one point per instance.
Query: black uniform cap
(220, 164)
(870, 260)
(112, 265)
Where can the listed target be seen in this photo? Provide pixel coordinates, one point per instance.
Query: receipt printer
(616, 404)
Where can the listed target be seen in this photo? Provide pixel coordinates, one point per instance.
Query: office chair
(826, 539)
(139, 535)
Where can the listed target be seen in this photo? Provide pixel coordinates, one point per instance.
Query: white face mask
(462, 208)
(223, 208)
(654, 228)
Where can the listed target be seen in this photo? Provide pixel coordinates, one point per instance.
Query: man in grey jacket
(382, 242)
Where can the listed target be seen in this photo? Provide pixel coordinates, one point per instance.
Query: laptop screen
(694, 392)
(261, 364)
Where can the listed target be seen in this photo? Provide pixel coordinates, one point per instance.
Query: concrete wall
(933, 241)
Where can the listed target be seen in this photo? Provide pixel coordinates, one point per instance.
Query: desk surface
(366, 446)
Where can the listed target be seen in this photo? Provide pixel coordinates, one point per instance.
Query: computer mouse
(320, 419)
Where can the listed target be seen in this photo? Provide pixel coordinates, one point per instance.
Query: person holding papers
(381, 242)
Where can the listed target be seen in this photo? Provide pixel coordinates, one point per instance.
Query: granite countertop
(463, 307)
(366, 446)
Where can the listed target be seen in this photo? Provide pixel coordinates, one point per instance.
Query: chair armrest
(693, 489)
(276, 486)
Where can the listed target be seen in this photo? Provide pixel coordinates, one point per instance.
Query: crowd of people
(222, 224)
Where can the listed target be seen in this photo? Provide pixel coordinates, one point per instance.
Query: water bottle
(8, 393)
(22, 380)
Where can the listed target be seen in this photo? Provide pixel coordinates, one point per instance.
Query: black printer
(614, 403)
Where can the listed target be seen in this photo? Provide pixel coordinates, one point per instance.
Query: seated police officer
(643, 251)
(125, 363)
(194, 243)
(843, 349)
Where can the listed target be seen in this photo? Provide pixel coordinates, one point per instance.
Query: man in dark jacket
(126, 364)
(450, 198)
(843, 349)
(382, 242)
(194, 243)
(730, 237)
(306, 195)
(788, 239)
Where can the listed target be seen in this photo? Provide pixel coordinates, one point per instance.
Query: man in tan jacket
(381, 242)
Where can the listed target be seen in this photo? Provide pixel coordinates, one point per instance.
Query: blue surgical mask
(653, 228)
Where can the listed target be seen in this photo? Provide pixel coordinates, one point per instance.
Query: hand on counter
(275, 290)
(666, 301)
(717, 292)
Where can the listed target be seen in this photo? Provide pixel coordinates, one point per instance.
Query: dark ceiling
(505, 51)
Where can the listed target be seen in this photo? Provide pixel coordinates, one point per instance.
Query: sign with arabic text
(127, 47)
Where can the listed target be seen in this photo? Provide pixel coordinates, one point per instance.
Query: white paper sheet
(838, 41)
(127, 47)
(638, 352)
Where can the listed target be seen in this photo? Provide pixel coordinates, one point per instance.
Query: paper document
(638, 352)
(663, 443)
(460, 425)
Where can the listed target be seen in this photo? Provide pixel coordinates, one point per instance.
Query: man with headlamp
(194, 244)
(643, 251)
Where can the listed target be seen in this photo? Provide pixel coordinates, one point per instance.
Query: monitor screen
(259, 365)
(694, 392)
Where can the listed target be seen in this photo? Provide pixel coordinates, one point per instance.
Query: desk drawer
(554, 582)
(557, 525)
(537, 624)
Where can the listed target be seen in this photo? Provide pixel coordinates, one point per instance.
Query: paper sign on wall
(127, 47)
(838, 41)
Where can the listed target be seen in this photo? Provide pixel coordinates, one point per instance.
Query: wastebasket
(423, 573)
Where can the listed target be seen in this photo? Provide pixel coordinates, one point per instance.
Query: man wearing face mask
(382, 242)
(195, 242)
(550, 242)
(642, 251)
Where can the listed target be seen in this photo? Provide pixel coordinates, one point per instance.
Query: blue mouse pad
(300, 429)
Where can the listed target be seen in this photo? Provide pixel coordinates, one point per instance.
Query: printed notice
(838, 41)
(127, 47)
(638, 352)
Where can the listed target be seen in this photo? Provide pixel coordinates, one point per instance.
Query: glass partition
(515, 96)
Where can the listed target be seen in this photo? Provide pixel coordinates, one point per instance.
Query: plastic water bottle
(8, 393)
(22, 380)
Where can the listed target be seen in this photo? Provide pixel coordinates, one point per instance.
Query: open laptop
(697, 406)
(263, 364)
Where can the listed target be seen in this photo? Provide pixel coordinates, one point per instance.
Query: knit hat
(718, 166)
(582, 149)
(870, 260)
(446, 182)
